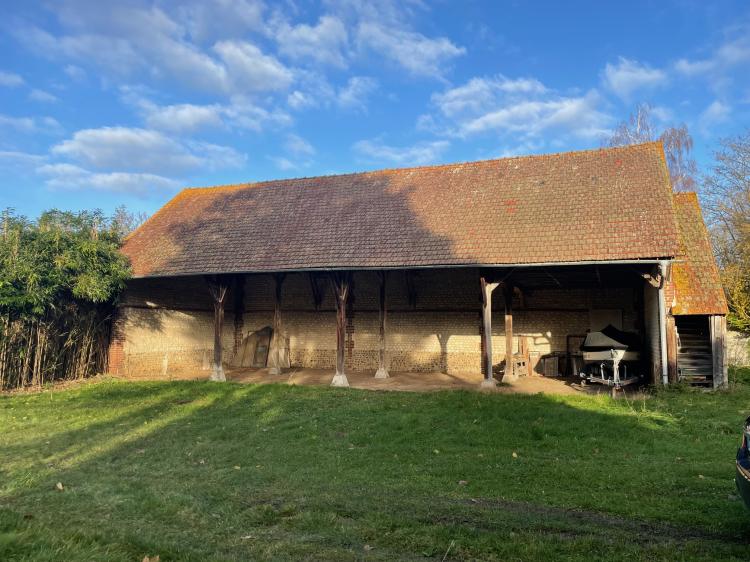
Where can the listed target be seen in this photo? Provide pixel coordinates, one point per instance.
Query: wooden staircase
(694, 356)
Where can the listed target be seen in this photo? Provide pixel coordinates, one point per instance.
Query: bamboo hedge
(60, 277)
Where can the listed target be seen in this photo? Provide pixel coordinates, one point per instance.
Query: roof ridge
(271, 183)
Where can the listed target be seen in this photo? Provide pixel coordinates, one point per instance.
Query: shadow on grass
(193, 470)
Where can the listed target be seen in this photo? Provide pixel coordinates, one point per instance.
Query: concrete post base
(339, 379)
(382, 373)
(488, 383)
(218, 375)
(274, 370)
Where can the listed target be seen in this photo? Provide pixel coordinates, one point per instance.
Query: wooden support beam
(239, 311)
(717, 328)
(382, 372)
(671, 350)
(487, 288)
(340, 281)
(217, 286)
(276, 358)
(510, 371)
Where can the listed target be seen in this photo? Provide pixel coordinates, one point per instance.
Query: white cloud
(127, 40)
(183, 117)
(249, 70)
(629, 76)
(478, 94)
(22, 162)
(662, 114)
(415, 155)
(208, 20)
(10, 79)
(522, 149)
(533, 117)
(133, 149)
(325, 43)
(298, 146)
(75, 73)
(717, 112)
(299, 154)
(520, 108)
(240, 113)
(387, 29)
(131, 160)
(301, 100)
(31, 125)
(243, 113)
(734, 51)
(694, 68)
(282, 163)
(145, 151)
(70, 177)
(418, 54)
(356, 91)
(315, 91)
(42, 96)
(215, 156)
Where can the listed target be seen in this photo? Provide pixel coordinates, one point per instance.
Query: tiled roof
(695, 275)
(606, 204)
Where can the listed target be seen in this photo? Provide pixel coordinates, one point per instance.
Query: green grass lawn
(209, 471)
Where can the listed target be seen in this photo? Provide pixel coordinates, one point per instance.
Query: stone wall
(738, 349)
(165, 326)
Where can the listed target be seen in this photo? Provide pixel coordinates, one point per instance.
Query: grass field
(208, 471)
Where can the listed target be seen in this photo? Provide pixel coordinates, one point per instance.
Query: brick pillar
(116, 351)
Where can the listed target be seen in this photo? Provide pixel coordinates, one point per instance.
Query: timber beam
(487, 287)
(341, 283)
(217, 286)
(276, 358)
(510, 363)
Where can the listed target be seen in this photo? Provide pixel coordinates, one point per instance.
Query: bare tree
(678, 144)
(124, 221)
(726, 198)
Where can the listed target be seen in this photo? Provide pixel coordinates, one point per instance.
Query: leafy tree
(678, 144)
(726, 196)
(59, 276)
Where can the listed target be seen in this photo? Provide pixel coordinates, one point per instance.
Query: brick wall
(165, 326)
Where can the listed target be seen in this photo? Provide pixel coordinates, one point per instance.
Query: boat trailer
(612, 358)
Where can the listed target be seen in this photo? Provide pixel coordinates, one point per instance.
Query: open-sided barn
(411, 269)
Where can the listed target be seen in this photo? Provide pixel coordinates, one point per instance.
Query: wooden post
(382, 372)
(239, 312)
(510, 364)
(671, 350)
(276, 359)
(717, 325)
(217, 286)
(487, 288)
(340, 281)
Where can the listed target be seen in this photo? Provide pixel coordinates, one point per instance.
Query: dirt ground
(413, 382)
(398, 381)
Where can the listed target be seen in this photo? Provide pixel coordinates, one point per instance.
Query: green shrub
(59, 278)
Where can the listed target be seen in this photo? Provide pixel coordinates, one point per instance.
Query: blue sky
(126, 102)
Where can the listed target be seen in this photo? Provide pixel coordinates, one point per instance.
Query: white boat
(611, 357)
